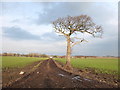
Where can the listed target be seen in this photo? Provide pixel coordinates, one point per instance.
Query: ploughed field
(42, 73)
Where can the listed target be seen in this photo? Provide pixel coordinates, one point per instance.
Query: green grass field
(18, 62)
(100, 65)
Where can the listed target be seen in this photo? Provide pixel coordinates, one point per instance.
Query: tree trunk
(68, 54)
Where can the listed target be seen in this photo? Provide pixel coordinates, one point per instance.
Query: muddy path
(48, 75)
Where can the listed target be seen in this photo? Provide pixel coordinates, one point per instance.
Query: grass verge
(101, 65)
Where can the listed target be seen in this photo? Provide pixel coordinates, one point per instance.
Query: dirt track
(48, 75)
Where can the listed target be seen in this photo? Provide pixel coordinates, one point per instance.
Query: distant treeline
(47, 56)
(25, 55)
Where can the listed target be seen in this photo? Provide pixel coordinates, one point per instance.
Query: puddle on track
(61, 75)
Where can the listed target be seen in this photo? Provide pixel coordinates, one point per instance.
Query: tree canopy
(71, 25)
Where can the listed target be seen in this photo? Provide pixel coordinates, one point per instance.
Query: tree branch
(78, 42)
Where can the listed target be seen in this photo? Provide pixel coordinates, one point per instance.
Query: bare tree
(70, 26)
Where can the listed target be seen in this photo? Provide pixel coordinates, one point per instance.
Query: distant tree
(70, 26)
(44, 55)
(55, 56)
(4, 54)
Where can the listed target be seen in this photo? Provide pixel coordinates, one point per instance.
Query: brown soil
(11, 74)
(49, 75)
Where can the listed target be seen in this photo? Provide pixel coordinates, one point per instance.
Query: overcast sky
(26, 27)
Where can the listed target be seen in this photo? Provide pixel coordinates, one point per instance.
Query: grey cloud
(17, 33)
(97, 49)
(52, 37)
(100, 12)
(55, 10)
(14, 21)
(107, 48)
